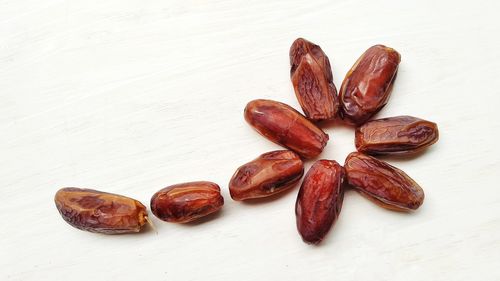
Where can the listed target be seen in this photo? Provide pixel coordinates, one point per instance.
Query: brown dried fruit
(384, 184)
(100, 212)
(312, 80)
(283, 125)
(186, 202)
(320, 200)
(367, 86)
(269, 174)
(396, 135)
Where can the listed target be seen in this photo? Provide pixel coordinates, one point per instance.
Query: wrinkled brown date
(100, 212)
(367, 86)
(186, 202)
(382, 183)
(395, 135)
(312, 80)
(284, 125)
(320, 200)
(269, 174)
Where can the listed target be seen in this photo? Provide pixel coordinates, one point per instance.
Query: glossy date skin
(268, 174)
(367, 86)
(396, 135)
(100, 212)
(319, 200)
(382, 183)
(312, 80)
(187, 202)
(285, 126)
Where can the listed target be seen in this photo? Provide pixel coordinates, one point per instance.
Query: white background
(132, 96)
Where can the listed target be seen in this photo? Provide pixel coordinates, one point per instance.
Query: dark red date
(367, 86)
(312, 80)
(382, 183)
(269, 174)
(320, 200)
(187, 202)
(396, 135)
(283, 125)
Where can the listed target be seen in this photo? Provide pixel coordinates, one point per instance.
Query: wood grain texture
(132, 96)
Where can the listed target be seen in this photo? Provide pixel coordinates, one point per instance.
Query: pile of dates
(364, 92)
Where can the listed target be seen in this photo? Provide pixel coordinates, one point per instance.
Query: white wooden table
(132, 96)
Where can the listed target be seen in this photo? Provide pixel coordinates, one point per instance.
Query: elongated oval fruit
(320, 200)
(268, 174)
(367, 86)
(396, 135)
(187, 202)
(285, 126)
(100, 212)
(382, 183)
(312, 80)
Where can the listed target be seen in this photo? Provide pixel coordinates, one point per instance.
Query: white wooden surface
(132, 96)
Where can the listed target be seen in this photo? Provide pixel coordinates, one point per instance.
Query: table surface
(132, 96)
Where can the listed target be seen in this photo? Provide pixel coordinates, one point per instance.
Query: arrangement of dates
(364, 92)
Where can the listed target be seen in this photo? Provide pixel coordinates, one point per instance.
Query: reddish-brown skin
(312, 80)
(285, 126)
(186, 202)
(367, 86)
(384, 184)
(100, 212)
(396, 135)
(320, 200)
(268, 174)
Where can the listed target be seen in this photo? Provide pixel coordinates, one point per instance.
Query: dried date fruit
(312, 80)
(384, 184)
(283, 125)
(367, 86)
(268, 174)
(100, 212)
(395, 135)
(320, 200)
(186, 202)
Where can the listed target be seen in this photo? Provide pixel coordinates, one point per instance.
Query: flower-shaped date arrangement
(364, 91)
